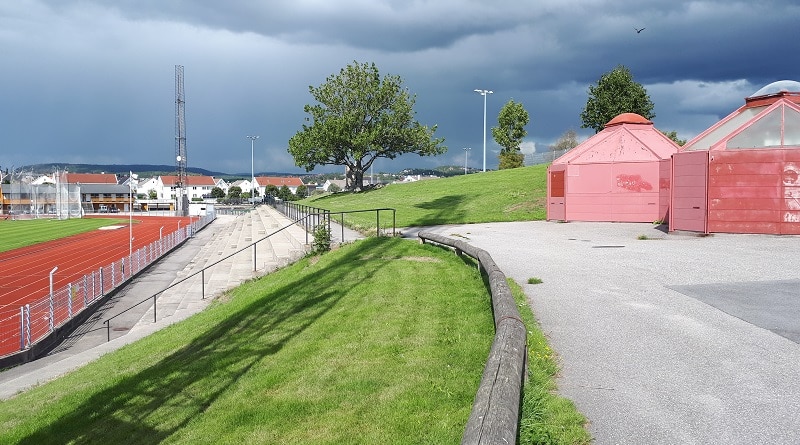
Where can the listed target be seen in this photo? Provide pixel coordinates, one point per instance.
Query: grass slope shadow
(189, 380)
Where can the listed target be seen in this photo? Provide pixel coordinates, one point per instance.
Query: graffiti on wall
(634, 183)
(791, 192)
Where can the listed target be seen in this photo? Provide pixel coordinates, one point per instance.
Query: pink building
(620, 174)
(742, 175)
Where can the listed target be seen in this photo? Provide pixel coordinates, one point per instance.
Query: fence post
(378, 222)
(101, 283)
(27, 325)
(69, 300)
(52, 312)
(21, 328)
(85, 291)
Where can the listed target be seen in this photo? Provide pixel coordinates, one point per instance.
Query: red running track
(25, 272)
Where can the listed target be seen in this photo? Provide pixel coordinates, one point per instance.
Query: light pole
(466, 156)
(252, 170)
(484, 93)
(131, 178)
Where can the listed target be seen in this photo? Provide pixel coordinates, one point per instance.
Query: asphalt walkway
(662, 338)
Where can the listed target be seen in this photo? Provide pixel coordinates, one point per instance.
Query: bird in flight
(638, 30)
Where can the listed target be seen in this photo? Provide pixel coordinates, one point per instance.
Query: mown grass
(20, 233)
(333, 349)
(506, 195)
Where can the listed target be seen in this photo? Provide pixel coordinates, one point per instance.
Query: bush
(322, 239)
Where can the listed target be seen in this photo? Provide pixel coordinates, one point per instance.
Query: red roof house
(619, 174)
(91, 178)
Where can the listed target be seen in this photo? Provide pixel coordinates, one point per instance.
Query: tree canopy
(615, 93)
(566, 141)
(674, 136)
(509, 132)
(358, 118)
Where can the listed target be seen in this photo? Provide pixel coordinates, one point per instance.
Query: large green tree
(509, 132)
(360, 117)
(615, 93)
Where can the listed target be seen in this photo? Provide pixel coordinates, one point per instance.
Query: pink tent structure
(620, 174)
(742, 175)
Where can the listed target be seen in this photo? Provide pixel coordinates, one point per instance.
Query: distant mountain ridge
(124, 169)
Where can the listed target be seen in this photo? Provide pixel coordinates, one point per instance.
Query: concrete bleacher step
(272, 253)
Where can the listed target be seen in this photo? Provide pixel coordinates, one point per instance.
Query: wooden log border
(495, 412)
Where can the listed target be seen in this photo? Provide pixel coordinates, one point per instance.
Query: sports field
(25, 271)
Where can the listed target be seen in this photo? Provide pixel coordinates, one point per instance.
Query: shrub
(322, 239)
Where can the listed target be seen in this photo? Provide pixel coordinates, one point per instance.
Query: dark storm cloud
(92, 81)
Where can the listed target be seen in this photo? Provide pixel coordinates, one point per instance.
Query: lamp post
(131, 178)
(466, 156)
(252, 170)
(484, 93)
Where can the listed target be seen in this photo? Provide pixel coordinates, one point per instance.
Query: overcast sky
(93, 81)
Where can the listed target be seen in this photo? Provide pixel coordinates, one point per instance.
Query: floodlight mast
(484, 93)
(180, 143)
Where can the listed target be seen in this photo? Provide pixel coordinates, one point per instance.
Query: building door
(556, 205)
(689, 202)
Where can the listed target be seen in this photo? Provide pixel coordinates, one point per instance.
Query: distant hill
(155, 170)
(141, 169)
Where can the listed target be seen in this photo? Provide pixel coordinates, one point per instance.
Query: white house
(341, 183)
(145, 185)
(291, 182)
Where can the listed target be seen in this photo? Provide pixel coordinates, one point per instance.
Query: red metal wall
(754, 191)
(621, 192)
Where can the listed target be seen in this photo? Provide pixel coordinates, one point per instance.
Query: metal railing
(296, 211)
(42, 318)
(495, 412)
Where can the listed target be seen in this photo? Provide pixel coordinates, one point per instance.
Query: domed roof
(781, 86)
(628, 118)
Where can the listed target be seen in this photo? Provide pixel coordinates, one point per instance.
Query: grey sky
(93, 81)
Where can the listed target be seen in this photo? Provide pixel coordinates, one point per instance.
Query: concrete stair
(221, 238)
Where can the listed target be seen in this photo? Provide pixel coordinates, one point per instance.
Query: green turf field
(20, 233)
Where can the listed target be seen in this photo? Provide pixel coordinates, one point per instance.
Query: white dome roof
(789, 86)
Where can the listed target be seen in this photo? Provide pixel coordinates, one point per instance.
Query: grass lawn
(20, 233)
(333, 349)
(506, 195)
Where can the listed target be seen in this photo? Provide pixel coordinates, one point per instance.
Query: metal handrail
(107, 322)
(325, 213)
(299, 209)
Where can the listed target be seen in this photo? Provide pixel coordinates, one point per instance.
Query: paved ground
(673, 340)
